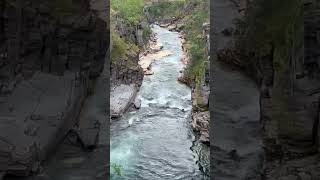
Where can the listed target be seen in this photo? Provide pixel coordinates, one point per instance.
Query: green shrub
(119, 47)
(167, 9)
(116, 169)
(196, 44)
(146, 33)
(129, 10)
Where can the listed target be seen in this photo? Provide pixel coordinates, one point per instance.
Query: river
(155, 141)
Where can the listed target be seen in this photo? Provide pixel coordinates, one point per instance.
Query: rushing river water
(155, 141)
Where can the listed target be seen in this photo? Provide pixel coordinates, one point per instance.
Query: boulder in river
(120, 99)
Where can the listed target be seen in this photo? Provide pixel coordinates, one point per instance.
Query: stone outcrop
(50, 54)
(121, 98)
(126, 71)
(200, 97)
(201, 124)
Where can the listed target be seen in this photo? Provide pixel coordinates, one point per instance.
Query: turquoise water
(154, 142)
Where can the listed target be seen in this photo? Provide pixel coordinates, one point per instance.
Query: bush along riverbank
(190, 19)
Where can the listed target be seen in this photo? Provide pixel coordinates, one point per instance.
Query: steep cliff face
(312, 62)
(51, 38)
(129, 39)
(287, 73)
(290, 107)
(125, 69)
(50, 54)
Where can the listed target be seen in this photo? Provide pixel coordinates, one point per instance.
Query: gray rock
(290, 177)
(89, 137)
(200, 98)
(121, 98)
(304, 176)
(2, 174)
(227, 31)
(44, 95)
(200, 124)
(137, 103)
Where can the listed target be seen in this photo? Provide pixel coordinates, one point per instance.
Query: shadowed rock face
(236, 142)
(288, 104)
(50, 52)
(291, 109)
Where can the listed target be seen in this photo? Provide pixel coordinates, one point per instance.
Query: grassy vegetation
(146, 32)
(195, 42)
(116, 169)
(121, 49)
(165, 9)
(129, 10)
(129, 13)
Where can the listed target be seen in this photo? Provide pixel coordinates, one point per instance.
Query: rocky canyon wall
(128, 42)
(126, 70)
(288, 86)
(290, 107)
(50, 54)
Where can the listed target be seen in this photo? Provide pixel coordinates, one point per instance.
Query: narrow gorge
(154, 141)
(159, 94)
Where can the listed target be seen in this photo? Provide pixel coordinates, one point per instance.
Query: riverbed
(155, 141)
